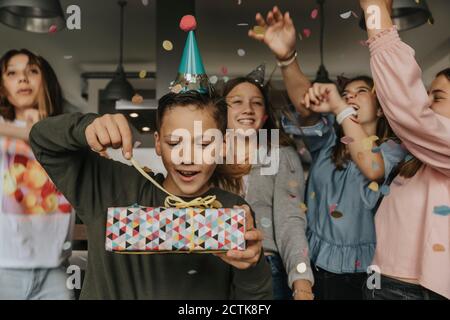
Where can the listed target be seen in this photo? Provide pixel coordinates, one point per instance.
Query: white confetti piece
(241, 52)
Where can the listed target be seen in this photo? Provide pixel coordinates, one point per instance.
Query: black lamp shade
(119, 88)
(32, 15)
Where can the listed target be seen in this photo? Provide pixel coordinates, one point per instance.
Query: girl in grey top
(273, 186)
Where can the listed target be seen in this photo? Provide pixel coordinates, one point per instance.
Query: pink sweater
(412, 240)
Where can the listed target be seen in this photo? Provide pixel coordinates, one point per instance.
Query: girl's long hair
(340, 156)
(50, 94)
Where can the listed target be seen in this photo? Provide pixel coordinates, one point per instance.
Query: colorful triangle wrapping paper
(144, 229)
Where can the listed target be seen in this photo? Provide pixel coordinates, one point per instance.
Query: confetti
(337, 214)
(373, 186)
(313, 195)
(292, 196)
(302, 151)
(68, 57)
(318, 132)
(346, 15)
(67, 245)
(225, 79)
(301, 267)
(145, 2)
(367, 143)
(363, 43)
(137, 144)
(442, 210)
(305, 252)
(259, 30)
(333, 207)
(385, 190)
(266, 222)
(177, 88)
(53, 28)
(303, 206)
(142, 74)
(437, 247)
(243, 24)
(239, 2)
(241, 52)
(224, 70)
(137, 99)
(192, 272)
(307, 32)
(300, 36)
(293, 184)
(314, 14)
(355, 15)
(167, 45)
(213, 79)
(357, 263)
(347, 140)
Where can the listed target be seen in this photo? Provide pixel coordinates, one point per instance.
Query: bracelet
(344, 114)
(285, 63)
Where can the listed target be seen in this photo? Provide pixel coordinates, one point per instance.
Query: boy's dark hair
(51, 103)
(215, 104)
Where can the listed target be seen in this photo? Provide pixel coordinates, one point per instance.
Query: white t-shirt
(36, 221)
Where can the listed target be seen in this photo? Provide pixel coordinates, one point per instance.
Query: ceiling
(95, 46)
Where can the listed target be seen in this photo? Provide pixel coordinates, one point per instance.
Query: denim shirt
(341, 207)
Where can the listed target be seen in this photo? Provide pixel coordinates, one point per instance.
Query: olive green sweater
(92, 184)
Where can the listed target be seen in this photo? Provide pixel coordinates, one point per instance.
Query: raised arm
(404, 98)
(280, 37)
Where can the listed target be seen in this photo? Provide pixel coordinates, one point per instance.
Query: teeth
(187, 173)
(246, 121)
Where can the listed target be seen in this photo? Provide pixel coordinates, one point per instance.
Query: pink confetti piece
(224, 70)
(302, 151)
(347, 140)
(333, 207)
(307, 32)
(314, 14)
(52, 29)
(357, 263)
(363, 43)
(355, 15)
(305, 252)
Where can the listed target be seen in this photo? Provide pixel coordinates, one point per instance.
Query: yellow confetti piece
(293, 184)
(303, 207)
(142, 74)
(177, 88)
(137, 99)
(167, 45)
(259, 30)
(374, 186)
(313, 195)
(367, 143)
(437, 247)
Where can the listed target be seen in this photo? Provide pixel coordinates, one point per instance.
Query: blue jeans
(393, 289)
(34, 284)
(281, 290)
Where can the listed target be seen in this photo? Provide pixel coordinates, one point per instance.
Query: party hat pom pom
(188, 23)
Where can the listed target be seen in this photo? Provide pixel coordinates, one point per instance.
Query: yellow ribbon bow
(208, 202)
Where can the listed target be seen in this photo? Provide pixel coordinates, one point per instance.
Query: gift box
(140, 229)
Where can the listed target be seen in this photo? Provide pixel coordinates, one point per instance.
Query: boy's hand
(110, 130)
(324, 98)
(279, 35)
(249, 257)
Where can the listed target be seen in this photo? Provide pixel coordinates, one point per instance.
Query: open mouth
(246, 121)
(187, 176)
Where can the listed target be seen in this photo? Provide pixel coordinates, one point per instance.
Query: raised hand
(110, 130)
(324, 98)
(279, 35)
